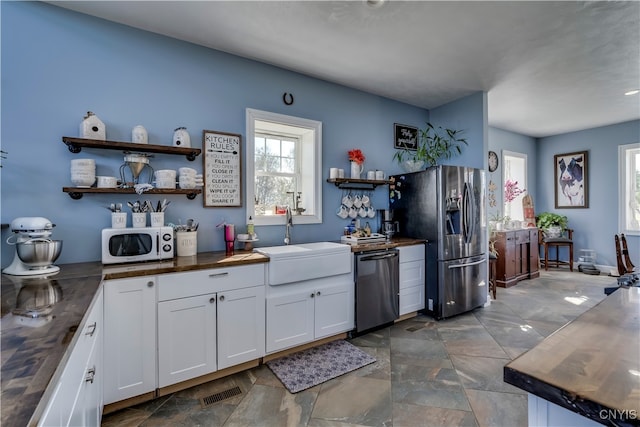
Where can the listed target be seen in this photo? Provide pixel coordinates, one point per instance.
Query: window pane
(632, 193)
(271, 191)
(273, 147)
(288, 149)
(288, 165)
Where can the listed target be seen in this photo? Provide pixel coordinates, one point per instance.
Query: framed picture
(571, 180)
(221, 169)
(405, 137)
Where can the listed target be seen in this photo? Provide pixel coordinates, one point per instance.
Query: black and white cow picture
(571, 184)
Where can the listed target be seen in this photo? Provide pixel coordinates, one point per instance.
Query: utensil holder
(187, 243)
(118, 220)
(139, 219)
(157, 219)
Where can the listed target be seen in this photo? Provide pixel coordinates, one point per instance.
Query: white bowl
(187, 171)
(165, 174)
(187, 185)
(83, 162)
(107, 182)
(166, 183)
(83, 182)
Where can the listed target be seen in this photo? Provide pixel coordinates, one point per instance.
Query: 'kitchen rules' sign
(222, 169)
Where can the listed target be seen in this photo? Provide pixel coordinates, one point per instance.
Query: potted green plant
(552, 224)
(434, 143)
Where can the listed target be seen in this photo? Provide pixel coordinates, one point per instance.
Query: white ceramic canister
(181, 137)
(139, 135)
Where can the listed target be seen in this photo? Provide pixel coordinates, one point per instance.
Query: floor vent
(218, 397)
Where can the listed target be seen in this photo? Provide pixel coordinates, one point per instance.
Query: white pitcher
(356, 170)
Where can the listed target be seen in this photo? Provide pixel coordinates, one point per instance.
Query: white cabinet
(186, 338)
(77, 399)
(241, 326)
(129, 337)
(412, 273)
(209, 320)
(302, 312)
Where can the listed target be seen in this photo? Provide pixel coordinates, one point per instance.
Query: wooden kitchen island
(588, 368)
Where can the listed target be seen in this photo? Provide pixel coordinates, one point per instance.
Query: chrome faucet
(289, 224)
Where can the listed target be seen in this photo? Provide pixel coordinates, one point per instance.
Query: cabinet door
(510, 256)
(240, 326)
(129, 338)
(186, 338)
(289, 320)
(534, 251)
(334, 310)
(76, 401)
(411, 299)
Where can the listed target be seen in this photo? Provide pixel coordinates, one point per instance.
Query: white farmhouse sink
(306, 261)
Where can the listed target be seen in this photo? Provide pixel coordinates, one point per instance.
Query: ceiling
(549, 67)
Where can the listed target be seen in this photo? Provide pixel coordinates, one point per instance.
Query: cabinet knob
(91, 374)
(91, 329)
(221, 298)
(212, 300)
(318, 293)
(313, 295)
(150, 284)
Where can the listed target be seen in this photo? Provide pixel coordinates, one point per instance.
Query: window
(283, 168)
(629, 187)
(514, 166)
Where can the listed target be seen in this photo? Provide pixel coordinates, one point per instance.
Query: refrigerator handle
(468, 213)
(468, 264)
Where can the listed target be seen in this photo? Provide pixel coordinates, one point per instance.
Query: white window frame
(311, 172)
(521, 185)
(625, 187)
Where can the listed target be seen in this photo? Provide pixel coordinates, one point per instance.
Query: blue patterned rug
(307, 368)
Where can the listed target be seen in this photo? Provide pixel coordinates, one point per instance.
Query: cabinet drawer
(411, 253)
(182, 285)
(411, 274)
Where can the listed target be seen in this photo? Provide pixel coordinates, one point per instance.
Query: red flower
(356, 155)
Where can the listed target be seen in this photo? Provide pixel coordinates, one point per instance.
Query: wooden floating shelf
(357, 184)
(76, 193)
(75, 145)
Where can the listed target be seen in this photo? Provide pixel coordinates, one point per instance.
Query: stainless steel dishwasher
(377, 288)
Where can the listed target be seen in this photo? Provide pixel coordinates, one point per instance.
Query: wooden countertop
(394, 243)
(591, 364)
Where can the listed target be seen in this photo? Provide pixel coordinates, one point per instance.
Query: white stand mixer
(34, 230)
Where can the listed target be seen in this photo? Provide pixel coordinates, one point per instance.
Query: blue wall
(58, 64)
(500, 140)
(467, 114)
(595, 226)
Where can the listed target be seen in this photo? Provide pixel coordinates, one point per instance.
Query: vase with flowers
(511, 192)
(357, 162)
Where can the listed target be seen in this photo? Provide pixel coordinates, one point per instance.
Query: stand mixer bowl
(39, 253)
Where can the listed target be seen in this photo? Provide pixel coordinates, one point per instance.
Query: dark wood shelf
(76, 192)
(75, 145)
(357, 184)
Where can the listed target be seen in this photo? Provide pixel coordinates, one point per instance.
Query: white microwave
(121, 245)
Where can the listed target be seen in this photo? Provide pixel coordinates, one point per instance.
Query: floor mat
(304, 369)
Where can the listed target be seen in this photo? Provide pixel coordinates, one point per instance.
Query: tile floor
(427, 373)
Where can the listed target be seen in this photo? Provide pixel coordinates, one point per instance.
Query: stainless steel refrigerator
(446, 206)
